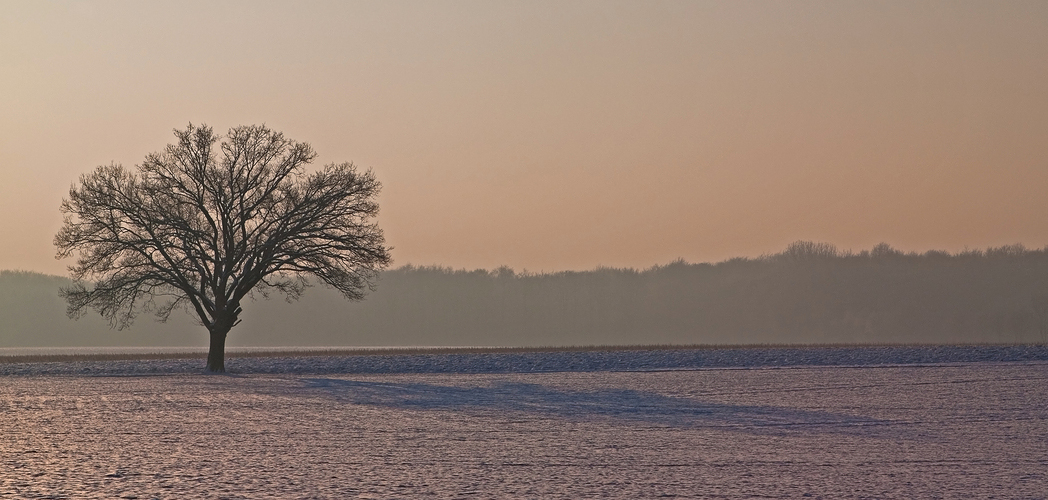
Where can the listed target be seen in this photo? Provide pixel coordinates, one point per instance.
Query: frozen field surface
(556, 361)
(949, 429)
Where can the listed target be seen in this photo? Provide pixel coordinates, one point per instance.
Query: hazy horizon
(808, 293)
(399, 266)
(554, 136)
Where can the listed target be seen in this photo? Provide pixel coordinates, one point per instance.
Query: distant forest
(809, 293)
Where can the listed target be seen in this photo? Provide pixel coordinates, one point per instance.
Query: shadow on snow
(603, 404)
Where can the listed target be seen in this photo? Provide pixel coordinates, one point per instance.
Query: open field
(961, 430)
(35, 355)
(512, 359)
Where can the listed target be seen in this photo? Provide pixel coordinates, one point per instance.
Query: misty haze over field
(562, 135)
(809, 293)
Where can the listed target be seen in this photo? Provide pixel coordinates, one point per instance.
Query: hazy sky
(562, 135)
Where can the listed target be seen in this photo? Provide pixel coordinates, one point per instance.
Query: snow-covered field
(553, 361)
(957, 422)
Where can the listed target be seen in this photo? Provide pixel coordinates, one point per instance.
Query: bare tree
(204, 224)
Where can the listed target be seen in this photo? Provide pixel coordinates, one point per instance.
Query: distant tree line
(33, 315)
(809, 293)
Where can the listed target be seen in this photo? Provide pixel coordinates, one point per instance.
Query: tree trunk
(224, 321)
(216, 354)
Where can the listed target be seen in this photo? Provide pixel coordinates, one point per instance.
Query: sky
(559, 135)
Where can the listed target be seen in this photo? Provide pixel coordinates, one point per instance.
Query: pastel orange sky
(563, 134)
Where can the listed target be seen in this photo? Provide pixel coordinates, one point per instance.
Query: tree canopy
(210, 220)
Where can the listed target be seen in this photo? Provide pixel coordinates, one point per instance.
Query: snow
(555, 361)
(898, 422)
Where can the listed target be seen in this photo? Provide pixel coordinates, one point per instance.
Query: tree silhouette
(201, 227)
